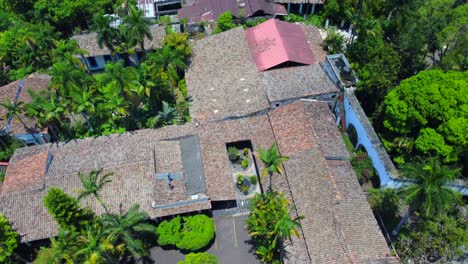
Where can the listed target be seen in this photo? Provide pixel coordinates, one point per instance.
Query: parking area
(231, 244)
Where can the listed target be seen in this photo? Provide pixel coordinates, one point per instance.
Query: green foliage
(44, 256)
(66, 211)
(9, 239)
(270, 223)
(385, 203)
(429, 195)
(253, 179)
(239, 180)
(428, 111)
(130, 230)
(234, 154)
(272, 160)
(169, 232)
(197, 232)
(200, 258)
(441, 236)
(224, 23)
(294, 18)
(92, 183)
(245, 163)
(8, 146)
(362, 166)
(334, 41)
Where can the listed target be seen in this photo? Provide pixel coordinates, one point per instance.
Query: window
(107, 58)
(92, 62)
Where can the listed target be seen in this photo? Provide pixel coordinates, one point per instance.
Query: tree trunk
(402, 222)
(271, 176)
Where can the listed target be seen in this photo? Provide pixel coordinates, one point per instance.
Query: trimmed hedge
(169, 232)
(193, 234)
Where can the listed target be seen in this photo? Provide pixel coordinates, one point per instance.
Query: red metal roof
(275, 42)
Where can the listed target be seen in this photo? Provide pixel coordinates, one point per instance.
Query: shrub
(334, 42)
(169, 232)
(2, 176)
(246, 152)
(239, 180)
(245, 189)
(234, 154)
(245, 163)
(197, 232)
(362, 166)
(200, 258)
(253, 179)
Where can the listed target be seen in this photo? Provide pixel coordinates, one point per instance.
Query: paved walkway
(230, 245)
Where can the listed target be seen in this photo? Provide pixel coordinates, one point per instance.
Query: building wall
(33, 139)
(148, 7)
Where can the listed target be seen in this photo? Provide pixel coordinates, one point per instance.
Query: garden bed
(244, 173)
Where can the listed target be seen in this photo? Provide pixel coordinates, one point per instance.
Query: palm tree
(168, 62)
(95, 248)
(65, 50)
(14, 111)
(106, 34)
(286, 227)
(64, 246)
(129, 229)
(93, 183)
(137, 27)
(272, 160)
(429, 194)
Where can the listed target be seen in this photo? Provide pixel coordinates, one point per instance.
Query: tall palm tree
(129, 229)
(106, 34)
(65, 50)
(273, 161)
(169, 63)
(137, 27)
(93, 183)
(429, 195)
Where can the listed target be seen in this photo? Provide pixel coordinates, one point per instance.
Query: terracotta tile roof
(35, 82)
(88, 41)
(331, 200)
(27, 173)
(196, 11)
(309, 80)
(223, 80)
(129, 156)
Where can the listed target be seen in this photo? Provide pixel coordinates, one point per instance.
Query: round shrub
(169, 232)
(200, 258)
(197, 232)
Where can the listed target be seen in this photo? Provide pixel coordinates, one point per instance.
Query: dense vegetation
(411, 61)
(272, 220)
(426, 115)
(128, 95)
(86, 238)
(9, 240)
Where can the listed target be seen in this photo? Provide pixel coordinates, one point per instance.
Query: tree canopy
(9, 239)
(427, 114)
